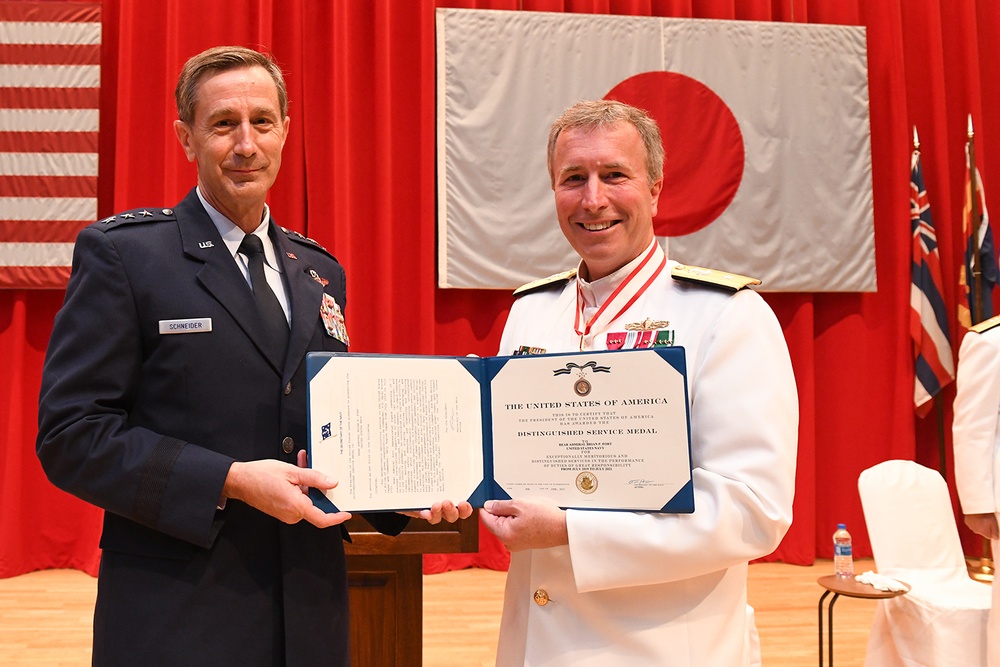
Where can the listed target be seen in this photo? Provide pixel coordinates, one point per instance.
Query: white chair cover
(942, 621)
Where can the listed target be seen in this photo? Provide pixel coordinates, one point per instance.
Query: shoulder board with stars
(703, 276)
(138, 215)
(535, 285)
(296, 236)
(985, 325)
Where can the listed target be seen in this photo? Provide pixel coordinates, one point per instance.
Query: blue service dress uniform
(145, 423)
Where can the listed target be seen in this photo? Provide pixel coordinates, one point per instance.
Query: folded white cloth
(879, 581)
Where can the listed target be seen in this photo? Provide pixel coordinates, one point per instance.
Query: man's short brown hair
(221, 59)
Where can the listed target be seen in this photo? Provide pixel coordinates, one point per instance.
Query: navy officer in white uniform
(593, 588)
(976, 439)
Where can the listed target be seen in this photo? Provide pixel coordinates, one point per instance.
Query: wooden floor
(45, 617)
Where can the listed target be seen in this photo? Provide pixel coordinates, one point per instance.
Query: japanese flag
(765, 125)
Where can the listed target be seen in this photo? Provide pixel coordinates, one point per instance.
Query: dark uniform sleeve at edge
(85, 443)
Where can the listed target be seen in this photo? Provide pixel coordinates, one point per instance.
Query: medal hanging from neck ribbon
(634, 285)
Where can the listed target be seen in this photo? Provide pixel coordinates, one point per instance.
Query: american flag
(50, 54)
(989, 271)
(934, 366)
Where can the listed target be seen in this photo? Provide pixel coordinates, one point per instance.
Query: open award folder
(591, 430)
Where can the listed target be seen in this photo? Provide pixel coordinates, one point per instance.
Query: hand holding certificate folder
(598, 430)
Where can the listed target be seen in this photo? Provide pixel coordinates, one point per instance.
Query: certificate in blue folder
(591, 430)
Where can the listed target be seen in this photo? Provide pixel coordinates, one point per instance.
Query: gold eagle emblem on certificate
(586, 482)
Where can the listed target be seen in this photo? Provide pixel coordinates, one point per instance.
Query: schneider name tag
(197, 325)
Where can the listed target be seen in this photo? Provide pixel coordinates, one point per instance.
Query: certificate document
(599, 430)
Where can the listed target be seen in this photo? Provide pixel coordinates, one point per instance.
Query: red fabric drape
(358, 176)
(40, 526)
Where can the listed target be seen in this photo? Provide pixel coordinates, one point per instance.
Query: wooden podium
(385, 579)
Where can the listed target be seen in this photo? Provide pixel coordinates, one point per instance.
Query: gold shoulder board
(697, 274)
(545, 282)
(985, 325)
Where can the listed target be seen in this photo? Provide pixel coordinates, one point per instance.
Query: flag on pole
(934, 366)
(50, 55)
(983, 242)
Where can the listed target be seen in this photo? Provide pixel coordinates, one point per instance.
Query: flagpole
(975, 307)
(984, 570)
(938, 407)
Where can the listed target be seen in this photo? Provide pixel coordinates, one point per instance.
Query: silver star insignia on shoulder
(108, 219)
(144, 213)
(128, 216)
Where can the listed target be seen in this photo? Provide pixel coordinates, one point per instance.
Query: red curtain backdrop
(358, 176)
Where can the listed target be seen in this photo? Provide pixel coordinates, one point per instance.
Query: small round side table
(851, 588)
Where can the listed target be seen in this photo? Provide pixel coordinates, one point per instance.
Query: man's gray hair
(601, 113)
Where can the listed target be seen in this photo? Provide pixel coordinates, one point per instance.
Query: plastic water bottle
(843, 557)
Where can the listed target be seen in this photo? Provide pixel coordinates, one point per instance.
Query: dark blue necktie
(271, 314)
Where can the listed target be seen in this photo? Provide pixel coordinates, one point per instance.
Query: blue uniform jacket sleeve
(86, 443)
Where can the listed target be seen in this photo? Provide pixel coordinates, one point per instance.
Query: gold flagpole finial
(916, 139)
(971, 133)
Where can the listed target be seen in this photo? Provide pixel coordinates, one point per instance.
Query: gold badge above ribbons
(647, 324)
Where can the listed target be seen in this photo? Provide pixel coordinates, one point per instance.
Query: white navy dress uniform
(664, 589)
(976, 439)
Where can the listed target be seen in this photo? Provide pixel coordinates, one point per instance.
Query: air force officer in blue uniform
(168, 402)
